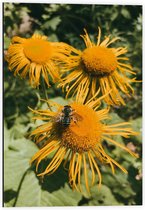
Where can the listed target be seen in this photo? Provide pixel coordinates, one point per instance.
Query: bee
(67, 114)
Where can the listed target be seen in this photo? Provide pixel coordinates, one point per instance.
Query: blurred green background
(65, 22)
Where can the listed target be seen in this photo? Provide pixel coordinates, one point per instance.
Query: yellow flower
(75, 133)
(98, 66)
(35, 56)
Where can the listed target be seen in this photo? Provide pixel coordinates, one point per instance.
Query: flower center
(37, 50)
(99, 61)
(84, 131)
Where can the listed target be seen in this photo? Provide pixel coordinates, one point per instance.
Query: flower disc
(82, 134)
(37, 50)
(100, 61)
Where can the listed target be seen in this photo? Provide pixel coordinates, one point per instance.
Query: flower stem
(45, 92)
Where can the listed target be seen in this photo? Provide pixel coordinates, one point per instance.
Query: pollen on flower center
(84, 131)
(99, 61)
(37, 50)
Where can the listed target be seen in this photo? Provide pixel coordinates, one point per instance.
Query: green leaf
(25, 147)
(125, 13)
(60, 100)
(53, 23)
(6, 85)
(19, 129)
(30, 192)
(114, 15)
(9, 203)
(102, 197)
(16, 161)
(21, 126)
(118, 183)
(7, 137)
(53, 37)
(6, 42)
(14, 167)
(62, 197)
(113, 119)
(137, 126)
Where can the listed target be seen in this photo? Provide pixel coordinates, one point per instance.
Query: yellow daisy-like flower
(98, 66)
(75, 133)
(35, 56)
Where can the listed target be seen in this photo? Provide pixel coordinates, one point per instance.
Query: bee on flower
(76, 132)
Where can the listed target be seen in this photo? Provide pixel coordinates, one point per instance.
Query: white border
(102, 2)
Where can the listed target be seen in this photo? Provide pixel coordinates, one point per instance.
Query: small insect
(67, 114)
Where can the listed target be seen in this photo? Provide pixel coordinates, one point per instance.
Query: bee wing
(77, 117)
(58, 117)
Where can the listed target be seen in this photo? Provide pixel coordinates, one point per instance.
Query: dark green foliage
(65, 22)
